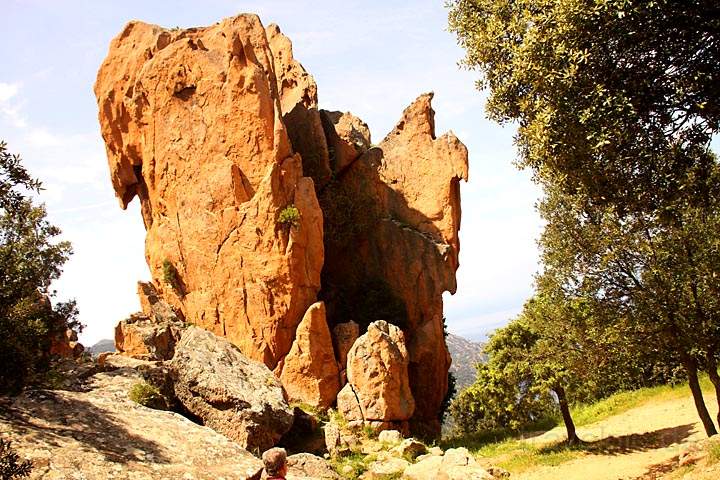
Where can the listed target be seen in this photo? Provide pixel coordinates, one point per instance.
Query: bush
(10, 465)
(289, 216)
(30, 260)
(148, 396)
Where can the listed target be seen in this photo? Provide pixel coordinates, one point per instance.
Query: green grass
(713, 450)
(509, 451)
(351, 466)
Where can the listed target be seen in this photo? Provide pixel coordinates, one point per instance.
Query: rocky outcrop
(98, 433)
(192, 125)
(141, 337)
(152, 333)
(233, 395)
(455, 464)
(309, 371)
(378, 388)
(217, 131)
(344, 336)
(65, 344)
(306, 465)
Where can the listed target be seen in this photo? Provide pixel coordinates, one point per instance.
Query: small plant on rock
(170, 275)
(148, 396)
(289, 216)
(10, 465)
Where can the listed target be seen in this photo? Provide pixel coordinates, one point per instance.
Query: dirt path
(628, 445)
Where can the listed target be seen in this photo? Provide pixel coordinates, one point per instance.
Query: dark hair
(274, 460)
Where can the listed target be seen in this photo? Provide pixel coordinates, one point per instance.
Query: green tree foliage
(654, 275)
(616, 103)
(289, 216)
(29, 262)
(616, 98)
(505, 393)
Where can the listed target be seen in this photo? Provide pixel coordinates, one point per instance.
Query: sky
(372, 58)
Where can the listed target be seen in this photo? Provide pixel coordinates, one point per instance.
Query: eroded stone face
(217, 130)
(232, 394)
(378, 377)
(192, 124)
(397, 235)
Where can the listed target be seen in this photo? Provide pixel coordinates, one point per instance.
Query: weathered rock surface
(378, 387)
(99, 434)
(139, 336)
(347, 138)
(306, 465)
(409, 449)
(456, 464)
(192, 125)
(390, 436)
(233, 395)
(386, 468)
(66, 345)
(309, 371)
(338, 441)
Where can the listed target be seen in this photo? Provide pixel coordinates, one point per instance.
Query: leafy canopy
(617, 99)
(30, 259)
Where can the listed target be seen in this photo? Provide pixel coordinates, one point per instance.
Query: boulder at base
(378, 390)
(233, 395)
(309, 372)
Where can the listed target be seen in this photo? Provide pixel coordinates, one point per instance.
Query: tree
(616, 104)
(29, 262)
(11, 467)
(504, 394)
(654, 275)
(560, 350)
(616, 99)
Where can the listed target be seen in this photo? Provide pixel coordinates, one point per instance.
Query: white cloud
(8, 91)
(11, 112)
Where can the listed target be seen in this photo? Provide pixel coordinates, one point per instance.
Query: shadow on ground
(625, 444)
(52, 419)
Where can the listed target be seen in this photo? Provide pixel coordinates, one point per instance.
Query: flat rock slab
(102, 434)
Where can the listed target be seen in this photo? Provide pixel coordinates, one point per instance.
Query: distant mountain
(465, 354)
(105, 345)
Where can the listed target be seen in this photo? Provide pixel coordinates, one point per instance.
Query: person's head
(275, 461)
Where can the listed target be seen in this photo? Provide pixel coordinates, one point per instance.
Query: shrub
(289, 216)
(31, 258)
(170, 275)
(148, 396)
(10, 465)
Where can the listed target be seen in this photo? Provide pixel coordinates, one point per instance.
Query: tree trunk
(572, 437)
(692, 369)
(714, 378)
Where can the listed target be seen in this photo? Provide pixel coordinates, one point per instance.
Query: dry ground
(641, 443)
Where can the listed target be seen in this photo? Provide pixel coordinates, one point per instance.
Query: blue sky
(371, 58)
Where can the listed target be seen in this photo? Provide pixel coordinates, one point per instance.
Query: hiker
(275, 461)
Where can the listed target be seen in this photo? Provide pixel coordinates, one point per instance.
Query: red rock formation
(217, 130)
(192, 124)
(309, 371)
(396, 235)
